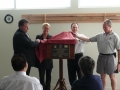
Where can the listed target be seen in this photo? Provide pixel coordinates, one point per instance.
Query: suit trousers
(74, 68)
(45, 83)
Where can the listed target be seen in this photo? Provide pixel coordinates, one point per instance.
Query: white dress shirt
(20, 81)
(79, 46)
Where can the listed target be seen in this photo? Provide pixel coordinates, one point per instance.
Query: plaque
(60, 51)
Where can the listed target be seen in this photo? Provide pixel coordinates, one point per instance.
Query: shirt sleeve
(2, 84)
(73, 87)
(23, 40)
(117, 42)
(94, 38)
(37, 85)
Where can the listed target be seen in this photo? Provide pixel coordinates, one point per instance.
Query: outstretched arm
(81, 37)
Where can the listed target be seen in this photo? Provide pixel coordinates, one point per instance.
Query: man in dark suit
(46, 65)
(22, 44)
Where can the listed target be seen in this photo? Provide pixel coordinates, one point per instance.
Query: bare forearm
(118, 65)
(118, 55)
(84, 38)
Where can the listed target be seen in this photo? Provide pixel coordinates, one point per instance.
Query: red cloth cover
(62, 38)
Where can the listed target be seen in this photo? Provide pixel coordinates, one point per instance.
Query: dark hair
(74, 23)
(22, 21)
(18, 62)
(86, 65)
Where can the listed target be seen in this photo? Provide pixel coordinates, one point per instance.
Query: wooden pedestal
(60, 51)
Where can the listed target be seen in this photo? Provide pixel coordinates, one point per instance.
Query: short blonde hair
(45, 24)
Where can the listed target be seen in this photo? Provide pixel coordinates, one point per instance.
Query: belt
(109, 54)
(79, 53)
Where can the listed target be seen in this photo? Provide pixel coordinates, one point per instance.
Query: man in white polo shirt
(19, 80)
(107, 42)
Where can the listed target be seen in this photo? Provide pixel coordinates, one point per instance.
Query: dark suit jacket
(88, 82)
(47, 63)
(22, 44)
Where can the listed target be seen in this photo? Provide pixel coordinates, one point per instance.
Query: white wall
(89, 29)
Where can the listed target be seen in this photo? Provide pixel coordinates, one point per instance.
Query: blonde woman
(46, 65)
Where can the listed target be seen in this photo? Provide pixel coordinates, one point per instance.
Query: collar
(20, 30)
(20, 73)
(109, 33)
